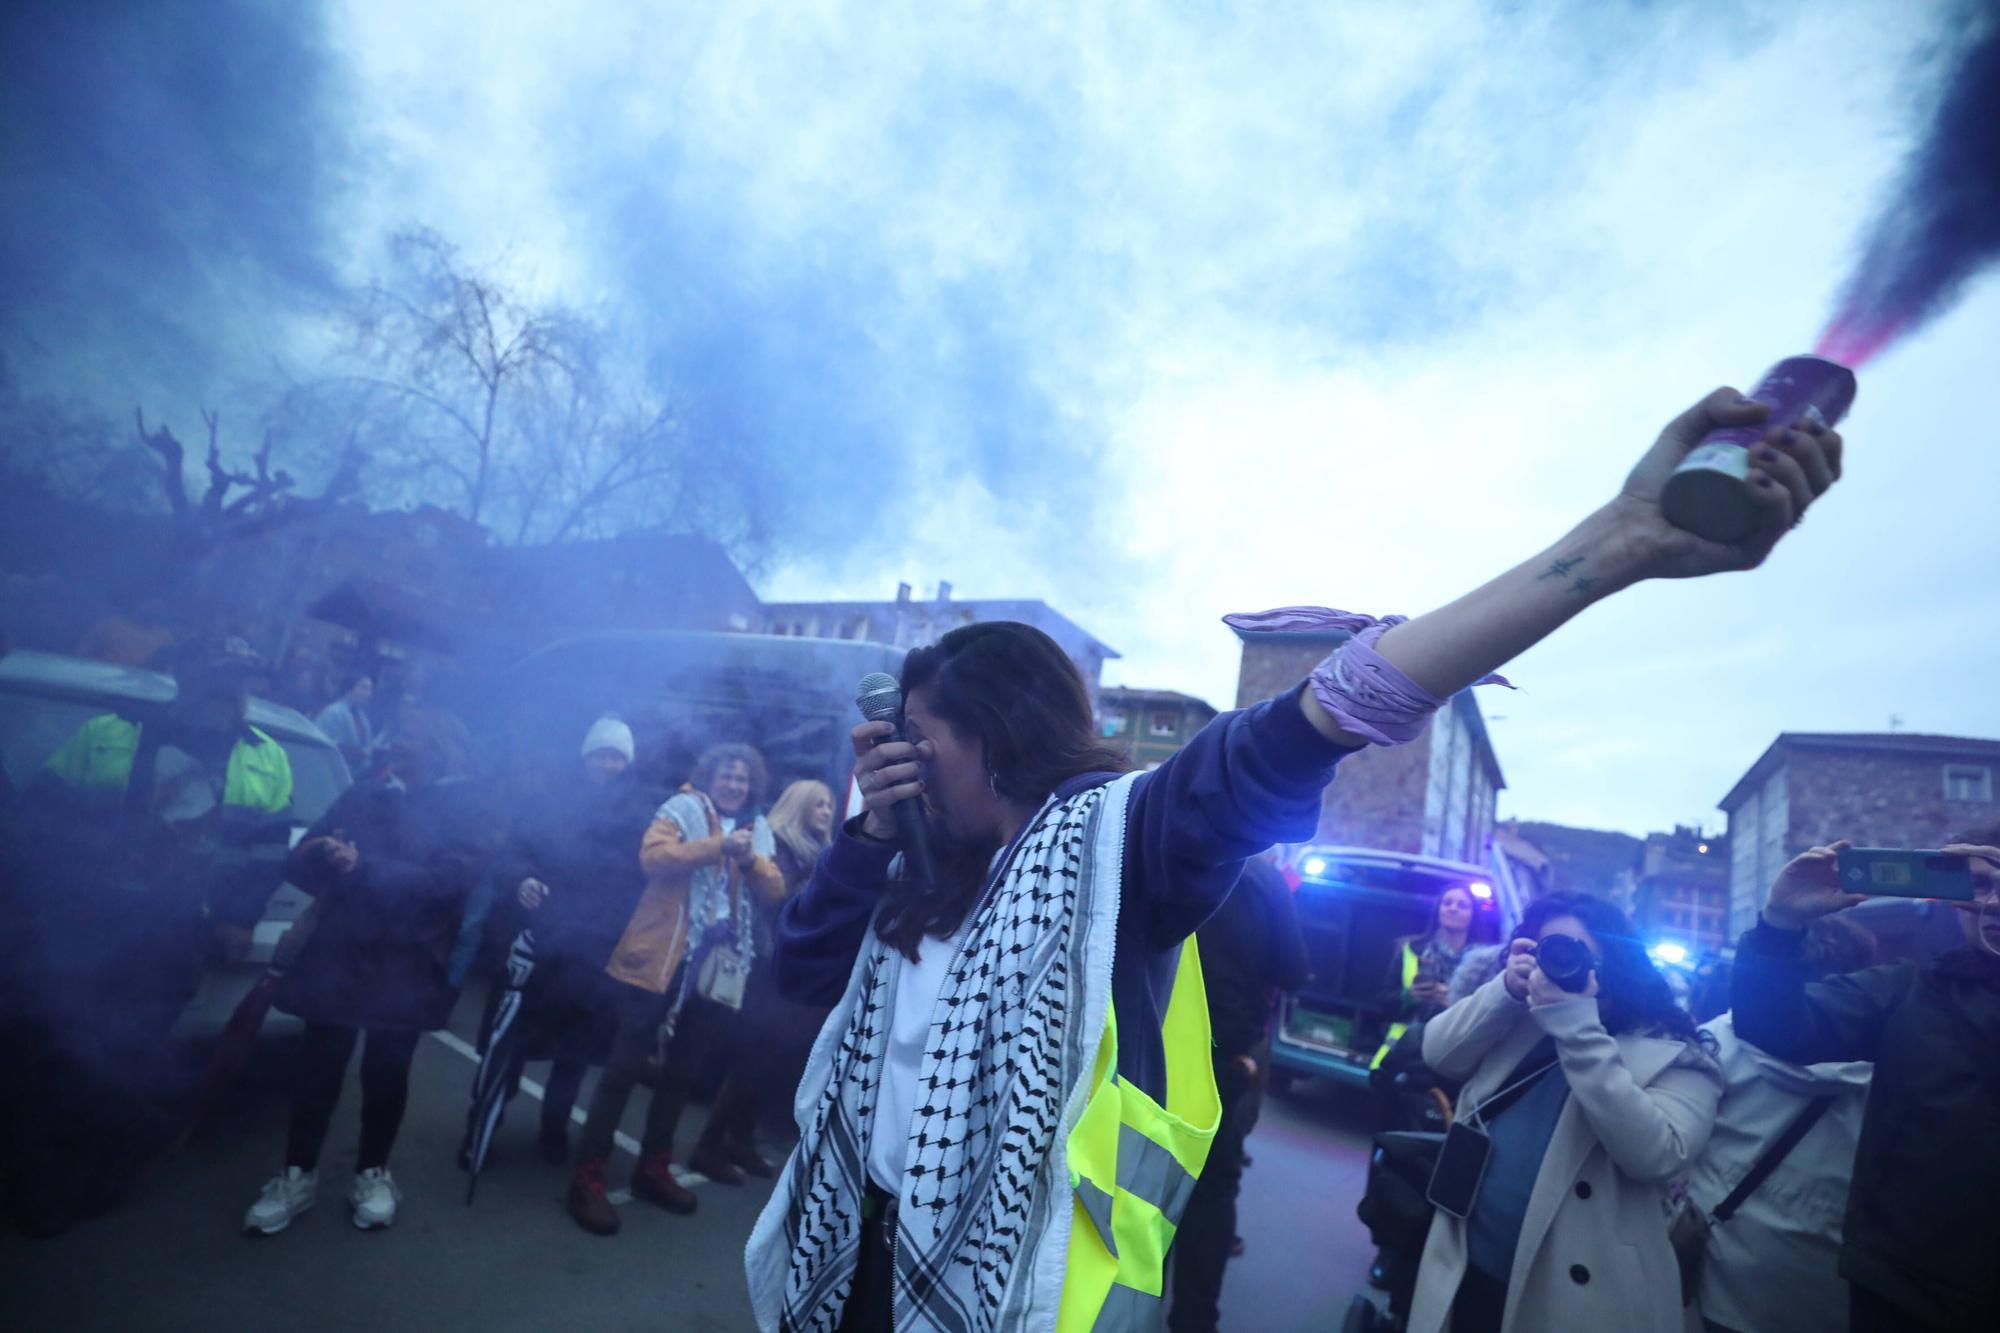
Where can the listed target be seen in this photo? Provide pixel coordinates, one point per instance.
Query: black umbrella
(493, 1085)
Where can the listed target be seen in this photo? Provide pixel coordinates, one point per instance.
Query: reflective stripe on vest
(1133, 1163)
(99, 756)
(1397, 1029)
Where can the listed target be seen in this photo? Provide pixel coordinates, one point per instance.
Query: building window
(1962, 782)
(1114, 724)
(1165, 724)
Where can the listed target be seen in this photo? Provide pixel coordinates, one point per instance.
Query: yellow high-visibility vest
(1132, 1165)
(1397, 1029)
(100, 755)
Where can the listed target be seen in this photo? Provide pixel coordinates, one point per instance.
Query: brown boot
(588, 1203)
(655, 1183)
(712, 1160)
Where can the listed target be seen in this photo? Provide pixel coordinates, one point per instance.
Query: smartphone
(1461, 1165)
(1891, 873)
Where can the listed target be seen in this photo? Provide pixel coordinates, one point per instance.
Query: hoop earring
(993, 783)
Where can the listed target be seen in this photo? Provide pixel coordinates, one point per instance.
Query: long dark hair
(1632, 996)
(1012, 688)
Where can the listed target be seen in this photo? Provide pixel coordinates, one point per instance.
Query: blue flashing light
(1315, 866)
(1480, 890)
(1670, 953)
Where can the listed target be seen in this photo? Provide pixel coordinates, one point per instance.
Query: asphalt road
(173, 1257)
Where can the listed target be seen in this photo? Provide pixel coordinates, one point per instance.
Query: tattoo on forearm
(1560, 569)
(1584, 587)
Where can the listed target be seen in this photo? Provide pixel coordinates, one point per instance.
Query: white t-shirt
(917, 991)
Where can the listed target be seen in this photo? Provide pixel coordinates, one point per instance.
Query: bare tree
(508, 413)
(267, 500)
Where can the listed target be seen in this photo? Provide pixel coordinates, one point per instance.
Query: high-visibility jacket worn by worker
(100, 755)
(1399, 1027)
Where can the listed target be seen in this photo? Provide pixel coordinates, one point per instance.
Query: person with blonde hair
(776, 1033)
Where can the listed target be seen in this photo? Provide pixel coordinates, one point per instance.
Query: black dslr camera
(1567, 961)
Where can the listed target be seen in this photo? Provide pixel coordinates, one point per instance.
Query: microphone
(880, 699)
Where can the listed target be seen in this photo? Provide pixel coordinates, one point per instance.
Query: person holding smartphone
(1918, 1245)
(1586, 1090)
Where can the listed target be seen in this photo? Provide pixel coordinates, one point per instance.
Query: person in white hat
(573, 868)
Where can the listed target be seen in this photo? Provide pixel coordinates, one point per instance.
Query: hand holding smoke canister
(1708, 493)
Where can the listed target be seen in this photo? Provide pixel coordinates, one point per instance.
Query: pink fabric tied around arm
(1364, 692)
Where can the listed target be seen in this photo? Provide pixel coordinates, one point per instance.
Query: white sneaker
(284, 1198)
(374, 1198)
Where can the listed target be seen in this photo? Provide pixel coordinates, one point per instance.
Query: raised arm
(1652, 1132)
(1625, 542)
(1249, 780)
(1775, 1008)
(1456, 1040)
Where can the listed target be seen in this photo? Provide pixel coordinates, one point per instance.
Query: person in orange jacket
(683, 960)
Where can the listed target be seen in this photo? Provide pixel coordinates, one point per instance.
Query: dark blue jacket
(1249, 780)
(1919, 1230)
(378, 951)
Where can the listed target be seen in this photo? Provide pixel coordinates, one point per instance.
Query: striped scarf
(985, 1204)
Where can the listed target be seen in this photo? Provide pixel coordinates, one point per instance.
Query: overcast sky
(1162, 311)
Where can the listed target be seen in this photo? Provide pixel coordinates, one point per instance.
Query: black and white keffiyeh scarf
(1012, 1040)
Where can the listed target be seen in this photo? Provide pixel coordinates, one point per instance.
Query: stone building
(1878, 789)
(1150, 724)
(427, 591)
(1682, 892)
(909, 622)
(1433, 797)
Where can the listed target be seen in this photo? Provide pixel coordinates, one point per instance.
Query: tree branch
(173, 460)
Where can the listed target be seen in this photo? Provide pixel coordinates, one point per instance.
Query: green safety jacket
(1397, 1029)
(99, 757)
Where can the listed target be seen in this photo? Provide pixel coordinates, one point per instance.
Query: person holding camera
(1918, 1245)
(1586, 1090)
(1772, 1185)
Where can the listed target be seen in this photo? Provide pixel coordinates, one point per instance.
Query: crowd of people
(1023, 1068)
(1782, 1165)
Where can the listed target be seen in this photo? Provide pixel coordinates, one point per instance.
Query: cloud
(1161, 311)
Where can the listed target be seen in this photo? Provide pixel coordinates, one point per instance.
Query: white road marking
(625, 1141)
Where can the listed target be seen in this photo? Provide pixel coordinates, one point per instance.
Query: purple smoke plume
(1942, 221)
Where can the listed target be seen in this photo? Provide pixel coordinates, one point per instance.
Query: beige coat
(1593, 1252)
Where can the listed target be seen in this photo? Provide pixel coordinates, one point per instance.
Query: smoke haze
(1941, 222)
(1153, 311)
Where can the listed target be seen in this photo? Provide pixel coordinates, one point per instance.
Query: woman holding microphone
(1023, 1043)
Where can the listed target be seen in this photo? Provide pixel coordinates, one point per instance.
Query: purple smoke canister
(1709, 494)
